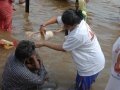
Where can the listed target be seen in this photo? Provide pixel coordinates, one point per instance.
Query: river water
(103, 17)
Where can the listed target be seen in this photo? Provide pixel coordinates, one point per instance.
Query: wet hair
(72, 17)
(24, 50)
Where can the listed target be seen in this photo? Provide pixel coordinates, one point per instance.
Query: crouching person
(24, 70)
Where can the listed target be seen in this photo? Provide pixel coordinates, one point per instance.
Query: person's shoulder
(11, 56)
(83, 21)
(83, 24)
(14, 63)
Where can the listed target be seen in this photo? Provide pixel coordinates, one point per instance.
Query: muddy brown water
(103, 17)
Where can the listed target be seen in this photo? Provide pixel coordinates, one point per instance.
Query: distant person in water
(24, 70)
(6, 12)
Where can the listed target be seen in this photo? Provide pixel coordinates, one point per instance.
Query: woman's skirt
(6, 11)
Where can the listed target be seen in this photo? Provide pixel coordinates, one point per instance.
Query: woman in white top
(82, 43)
(114, 80)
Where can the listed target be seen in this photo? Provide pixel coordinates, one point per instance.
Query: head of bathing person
(24, 50)
(71, 18)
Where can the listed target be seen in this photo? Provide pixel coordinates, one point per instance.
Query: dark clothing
(85, 82)
(17, 76)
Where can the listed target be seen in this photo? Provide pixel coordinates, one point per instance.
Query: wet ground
(103, 17)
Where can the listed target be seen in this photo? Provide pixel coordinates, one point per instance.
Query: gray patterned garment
(17, 76)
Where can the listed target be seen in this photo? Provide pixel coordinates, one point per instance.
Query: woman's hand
(42, 30)
(39, 44)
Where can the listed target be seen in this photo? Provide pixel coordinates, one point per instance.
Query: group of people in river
(24, 69)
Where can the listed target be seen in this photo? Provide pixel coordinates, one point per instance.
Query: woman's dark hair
(24, 50)
(72, 17)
